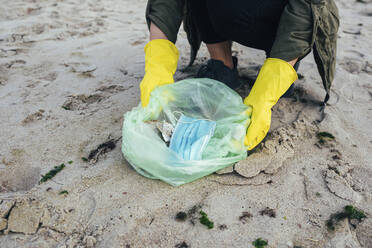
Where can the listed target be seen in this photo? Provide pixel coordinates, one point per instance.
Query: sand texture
(69, 70)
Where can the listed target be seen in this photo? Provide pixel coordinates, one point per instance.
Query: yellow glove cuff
(161, 57)
(273, 80)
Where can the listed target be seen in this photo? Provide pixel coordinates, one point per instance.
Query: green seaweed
(259, 243)
(350, 212)
(66, 108)
(51, 173)
(84, 159)
(63, 192)
(205, 221)
(323, 137)
(355, 213)
(70, 162)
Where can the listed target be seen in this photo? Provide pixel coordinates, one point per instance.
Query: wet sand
(69, 70)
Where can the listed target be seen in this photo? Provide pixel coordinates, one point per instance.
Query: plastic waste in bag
(191, 136)
(188, 130)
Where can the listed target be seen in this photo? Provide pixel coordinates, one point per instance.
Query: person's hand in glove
(161, 57)
(274, 79)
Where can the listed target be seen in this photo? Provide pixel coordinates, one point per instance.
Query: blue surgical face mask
(191, 136)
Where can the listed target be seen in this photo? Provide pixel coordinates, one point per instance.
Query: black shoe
(217, 70)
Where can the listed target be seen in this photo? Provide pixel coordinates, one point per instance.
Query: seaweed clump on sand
(100, 150)
(259, 243)
(181, 216)
(349, 212)
(205, 221)
(269, 212)
(323, 137)
(51, 173)
(245, 217)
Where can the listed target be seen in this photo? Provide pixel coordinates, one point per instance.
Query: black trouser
(252, 23)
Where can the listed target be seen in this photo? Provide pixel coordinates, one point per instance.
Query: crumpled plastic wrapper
(165, 130)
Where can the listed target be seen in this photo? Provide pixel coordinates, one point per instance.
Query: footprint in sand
(113, 89)
(83, 69)
(38, 115)
(278, 147)
(352, 66)
(263, 164)
(82, 101)
(290, 127)
(18, 174)
(338, 177)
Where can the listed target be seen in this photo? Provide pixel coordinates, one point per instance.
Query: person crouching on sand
(287, 30)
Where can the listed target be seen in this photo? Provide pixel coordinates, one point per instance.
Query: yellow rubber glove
(274, 79)
(161, 57)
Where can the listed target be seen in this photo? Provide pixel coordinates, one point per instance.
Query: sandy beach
(70, 70)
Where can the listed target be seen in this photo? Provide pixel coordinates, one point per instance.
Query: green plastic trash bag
(146, 148)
